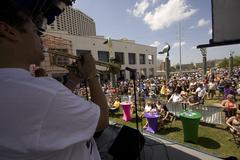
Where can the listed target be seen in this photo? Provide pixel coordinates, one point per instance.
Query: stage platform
(155, 147)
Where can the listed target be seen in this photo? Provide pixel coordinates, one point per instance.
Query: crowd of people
(187, 88)
(190, 88)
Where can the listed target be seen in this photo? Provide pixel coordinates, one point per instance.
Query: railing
(210, 114)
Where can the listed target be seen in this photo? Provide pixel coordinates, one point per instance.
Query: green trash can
(190, 121)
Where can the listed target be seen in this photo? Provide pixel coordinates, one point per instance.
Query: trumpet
(111, 67)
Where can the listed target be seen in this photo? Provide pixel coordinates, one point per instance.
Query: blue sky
(154, 22)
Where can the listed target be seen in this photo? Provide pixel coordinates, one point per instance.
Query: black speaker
(127, 145)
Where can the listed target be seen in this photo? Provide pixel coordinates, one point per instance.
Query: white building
(74, 22)
(132, 55)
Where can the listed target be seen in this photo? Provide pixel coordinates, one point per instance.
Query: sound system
(127, 145)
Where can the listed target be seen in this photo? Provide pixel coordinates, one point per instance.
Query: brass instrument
(110, 66)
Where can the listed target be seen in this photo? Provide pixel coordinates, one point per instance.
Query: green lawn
(215, 140)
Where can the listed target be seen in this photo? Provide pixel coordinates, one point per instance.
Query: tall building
(74, 22)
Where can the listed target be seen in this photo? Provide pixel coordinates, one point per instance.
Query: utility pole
(180, 48)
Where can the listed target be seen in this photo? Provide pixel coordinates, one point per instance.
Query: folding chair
(113, 111)
(167, 123)
(171, 120)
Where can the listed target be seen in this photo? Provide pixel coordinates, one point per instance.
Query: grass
(212, 139)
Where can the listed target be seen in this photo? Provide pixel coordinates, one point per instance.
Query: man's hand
(72, 81)
(87, 67)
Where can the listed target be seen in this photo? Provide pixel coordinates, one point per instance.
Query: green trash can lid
(191, 114)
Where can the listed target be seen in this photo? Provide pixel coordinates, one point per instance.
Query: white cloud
(194, 47)
(166, 14)
(210, 32)
(192, 27)
(155, 44)
(176, 44)
(139, 8)
(202, 22)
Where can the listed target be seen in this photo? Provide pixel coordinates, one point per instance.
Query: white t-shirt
(40, 119)
(212, 86)
(200, 91)
(175, 98)
(147, 108)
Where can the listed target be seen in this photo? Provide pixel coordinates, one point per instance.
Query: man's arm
(98, 97)
(87, 68)
(229, 122)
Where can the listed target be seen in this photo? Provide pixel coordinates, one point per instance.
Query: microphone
(130, 69)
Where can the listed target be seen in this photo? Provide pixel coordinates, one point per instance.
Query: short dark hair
(13, 15)
(40, 72)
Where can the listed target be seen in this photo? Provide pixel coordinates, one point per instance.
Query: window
(121, 75)
(142, 58)
(150, 59)
(119, 56)
(80, 52)
(132, 58)
(103, 56)
(143, 73)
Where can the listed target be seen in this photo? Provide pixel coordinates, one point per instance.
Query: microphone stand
(134, 71)
(135, 98)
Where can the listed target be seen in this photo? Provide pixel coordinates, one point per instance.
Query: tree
(236, 61)
(223, 63)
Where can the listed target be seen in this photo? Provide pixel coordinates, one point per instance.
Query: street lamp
(166, 49)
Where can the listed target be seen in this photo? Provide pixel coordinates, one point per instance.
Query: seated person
(116, 103)
(193, 100)
(176, 96)
(234, 123)
(164, 116)
(229, 106)
(147, 107)
(159, 105)
(132, 107)
(115, 106)
(150, 108)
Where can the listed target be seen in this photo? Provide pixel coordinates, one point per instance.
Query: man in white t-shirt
(39, 117)
(201, 92)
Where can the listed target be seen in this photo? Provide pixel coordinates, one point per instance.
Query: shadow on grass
(166, 131)
(221, 127)
(116, 115)
(134, 119)
(208, 143)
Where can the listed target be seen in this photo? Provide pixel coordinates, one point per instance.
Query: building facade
(140, 57)
(53, 64)
(74, 22)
